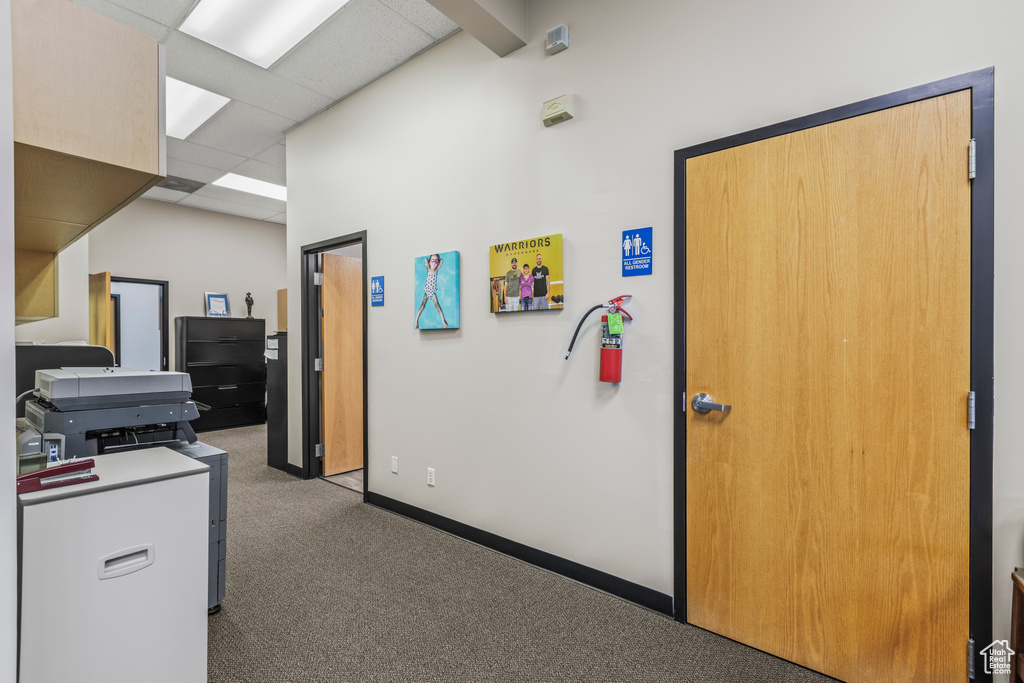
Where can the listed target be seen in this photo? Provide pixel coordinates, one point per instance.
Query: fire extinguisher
(611, 338)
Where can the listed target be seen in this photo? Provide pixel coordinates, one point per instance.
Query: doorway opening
(334, 382)
(139, 309)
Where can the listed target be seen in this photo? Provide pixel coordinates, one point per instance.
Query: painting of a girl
(437, 280)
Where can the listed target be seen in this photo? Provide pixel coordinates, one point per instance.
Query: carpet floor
(324, 588)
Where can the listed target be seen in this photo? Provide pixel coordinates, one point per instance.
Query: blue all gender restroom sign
(637, 248)
(377, 290)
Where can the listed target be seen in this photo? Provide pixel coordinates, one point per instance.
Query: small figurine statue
(248, 305)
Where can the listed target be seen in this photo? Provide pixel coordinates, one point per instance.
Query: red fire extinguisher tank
(611, 354)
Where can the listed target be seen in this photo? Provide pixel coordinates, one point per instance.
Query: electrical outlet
(430, 476)
(394, 464)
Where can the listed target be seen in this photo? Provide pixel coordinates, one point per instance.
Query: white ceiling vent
(180, 184)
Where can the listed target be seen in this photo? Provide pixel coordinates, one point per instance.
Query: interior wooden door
(342, 378)
(828, 302)
(101, 314)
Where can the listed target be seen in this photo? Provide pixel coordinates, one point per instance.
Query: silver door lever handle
(703, 403)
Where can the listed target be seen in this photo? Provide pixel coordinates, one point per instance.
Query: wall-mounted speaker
(558, 39)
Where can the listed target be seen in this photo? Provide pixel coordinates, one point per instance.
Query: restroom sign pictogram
(637, 249)
(377, 290)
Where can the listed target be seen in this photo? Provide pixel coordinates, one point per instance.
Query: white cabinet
(114, 573)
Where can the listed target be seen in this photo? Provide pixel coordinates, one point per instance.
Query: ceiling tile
(362, 42)
(119, 14)
(261, 171)
(241, 128)
(214, 204)
(275, 155)
(204, 156)
(201, 64)
(163, 194)
(185, 169)
(424, 15)
(238, 197)
(167, 12)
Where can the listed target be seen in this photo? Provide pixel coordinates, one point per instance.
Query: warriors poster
(436, 284)
(526, 275)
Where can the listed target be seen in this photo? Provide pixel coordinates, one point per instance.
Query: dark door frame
(312, 427)
(165, 304)
(981, 84)
(115, 305)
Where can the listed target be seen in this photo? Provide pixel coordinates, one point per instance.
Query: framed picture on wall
(526, 275)
(217, 305)
(436, 291)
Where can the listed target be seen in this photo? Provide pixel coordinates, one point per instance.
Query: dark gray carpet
(321, 587)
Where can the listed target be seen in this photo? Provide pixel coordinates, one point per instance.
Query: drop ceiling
(363, 41)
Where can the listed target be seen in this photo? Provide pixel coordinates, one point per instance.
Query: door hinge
(970, 658)
(972, 160)
(318, 279)
(971, 410)
(320, 451)
(318, 365)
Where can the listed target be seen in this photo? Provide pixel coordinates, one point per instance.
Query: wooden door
(828, 302)
(342, 381)
(101, 314)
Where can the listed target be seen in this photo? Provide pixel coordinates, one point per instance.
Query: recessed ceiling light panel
(252, 186)
(259, 31)
(189, 107)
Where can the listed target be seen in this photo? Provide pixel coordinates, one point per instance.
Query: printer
(87, 412)
(83, 412)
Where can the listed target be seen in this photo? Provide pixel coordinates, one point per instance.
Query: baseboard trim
(627, 590)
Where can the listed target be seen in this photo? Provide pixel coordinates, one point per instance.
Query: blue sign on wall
(637, 248)
(377, 290)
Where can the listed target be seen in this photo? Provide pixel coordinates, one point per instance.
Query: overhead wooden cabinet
(88, 130)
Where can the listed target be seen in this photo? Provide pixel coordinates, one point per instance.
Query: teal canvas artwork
(436, 285)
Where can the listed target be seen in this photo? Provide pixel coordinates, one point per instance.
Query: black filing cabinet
(224, 358)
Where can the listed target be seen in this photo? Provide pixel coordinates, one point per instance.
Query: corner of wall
(8, 503)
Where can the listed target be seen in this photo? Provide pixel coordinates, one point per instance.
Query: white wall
(196, 251)
(448, 152)
(72, 320)
(140, 321)
(8, 510)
